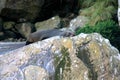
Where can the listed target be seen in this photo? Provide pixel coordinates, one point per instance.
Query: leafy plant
(108, 29)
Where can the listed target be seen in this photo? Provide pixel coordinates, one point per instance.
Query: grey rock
(38, 73)
(75, 23)
(9, 46)
(83, 57)
(78, 22)
(48, 24)
(25, 29)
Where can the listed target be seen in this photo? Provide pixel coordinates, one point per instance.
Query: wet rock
(8, 25)
(48, 24)
(7, 46)
(83, 57)
(24, 29)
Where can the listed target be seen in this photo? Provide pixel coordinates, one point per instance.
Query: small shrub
(108, 29)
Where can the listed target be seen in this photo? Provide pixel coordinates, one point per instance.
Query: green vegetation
(62, 64)
(100, 14)
(108, 29)
(98, 10)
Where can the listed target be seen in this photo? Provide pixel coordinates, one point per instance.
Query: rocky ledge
(83, 57)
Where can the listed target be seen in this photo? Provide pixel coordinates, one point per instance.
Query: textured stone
(83, 57)
(79, 21)
(9, 46)
(25, 29)
(48, 24)
(35, 73)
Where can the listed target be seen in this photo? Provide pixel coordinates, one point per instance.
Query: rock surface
(48, 24)
(79, 21)
(9, 46)
(83, 57)
(35, 73)
(24, 29)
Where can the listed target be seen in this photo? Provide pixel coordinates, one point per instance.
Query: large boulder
(78, 22)
(48, 24)
(25, 29)
(83, 57)
(74, 23)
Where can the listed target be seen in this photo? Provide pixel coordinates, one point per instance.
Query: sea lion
(44, 34)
